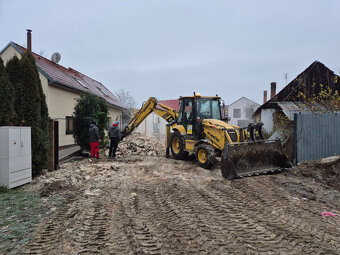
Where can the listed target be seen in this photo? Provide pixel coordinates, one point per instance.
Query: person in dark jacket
(94, 140)
(114, 133)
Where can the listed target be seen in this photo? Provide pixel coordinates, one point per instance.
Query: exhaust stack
(264, 96)
(272, 89)
(29, 40)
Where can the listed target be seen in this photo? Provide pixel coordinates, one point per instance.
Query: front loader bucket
(252, 158)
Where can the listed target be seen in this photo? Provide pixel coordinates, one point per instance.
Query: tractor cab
(192, 110)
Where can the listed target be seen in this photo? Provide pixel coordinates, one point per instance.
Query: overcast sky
(171, 48)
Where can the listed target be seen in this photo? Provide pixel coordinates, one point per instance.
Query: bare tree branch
(250, 109)
(126, 98)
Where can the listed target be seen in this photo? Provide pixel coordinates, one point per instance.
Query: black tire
(177, 146)
(205, 155)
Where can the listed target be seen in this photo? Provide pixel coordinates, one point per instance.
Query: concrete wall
(242, 104)
(267, 119)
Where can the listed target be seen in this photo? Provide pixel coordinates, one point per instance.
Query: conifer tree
(101, 115)
(35, 112)
(7, 113)
(13, 69)
(44, 125)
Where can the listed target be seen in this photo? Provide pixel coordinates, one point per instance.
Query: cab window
(209, 109)
(185, 115)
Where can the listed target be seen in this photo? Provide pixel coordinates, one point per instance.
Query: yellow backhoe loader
(199, 128)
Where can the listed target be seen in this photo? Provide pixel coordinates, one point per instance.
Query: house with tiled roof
(62, 86)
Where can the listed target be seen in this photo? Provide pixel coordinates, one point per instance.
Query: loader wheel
(177, 146)
(205, 155)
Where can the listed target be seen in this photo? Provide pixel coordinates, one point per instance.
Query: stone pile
(76, 176)
(135, 144)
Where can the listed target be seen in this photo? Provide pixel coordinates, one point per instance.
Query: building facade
(240, 112)
(62, 86)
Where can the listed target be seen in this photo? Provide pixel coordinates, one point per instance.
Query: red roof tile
(174, 104)
(73, 79)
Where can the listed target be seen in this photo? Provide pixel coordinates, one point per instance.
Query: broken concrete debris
(135, 144)
(84, 173)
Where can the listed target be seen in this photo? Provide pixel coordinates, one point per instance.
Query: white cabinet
(15, 156)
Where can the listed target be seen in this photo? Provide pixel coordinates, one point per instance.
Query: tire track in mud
(129, 231)
(186, 222)
(185, 217)
(305, 214)
(187, 232)
(48, 236)
(306, 209)
(224, 222)
(93, 232)
(87, 234)
(298, 230)
(166, 227)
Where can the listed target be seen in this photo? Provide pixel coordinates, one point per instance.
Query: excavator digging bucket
(253, 158)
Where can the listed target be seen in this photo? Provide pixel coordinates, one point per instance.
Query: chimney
(272, 89)
(29, 40)
(264, 96)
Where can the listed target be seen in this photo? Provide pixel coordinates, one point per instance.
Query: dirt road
(154, 205)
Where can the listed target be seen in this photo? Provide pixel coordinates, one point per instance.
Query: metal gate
(316, 136)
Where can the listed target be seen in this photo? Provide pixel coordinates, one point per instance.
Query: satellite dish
(56, 57)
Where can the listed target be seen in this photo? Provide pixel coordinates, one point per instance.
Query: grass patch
(20, 211)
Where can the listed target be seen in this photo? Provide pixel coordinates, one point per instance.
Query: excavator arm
(148, 107)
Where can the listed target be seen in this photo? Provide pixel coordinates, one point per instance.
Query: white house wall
(241, 104)
(9, 53)
(61, 104)
(114, 114)
(267, 119)
(148, 127)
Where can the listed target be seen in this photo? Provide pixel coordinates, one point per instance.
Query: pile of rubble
(80, 176)
(135, 144)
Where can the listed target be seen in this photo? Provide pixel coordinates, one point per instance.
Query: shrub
(89, 108)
